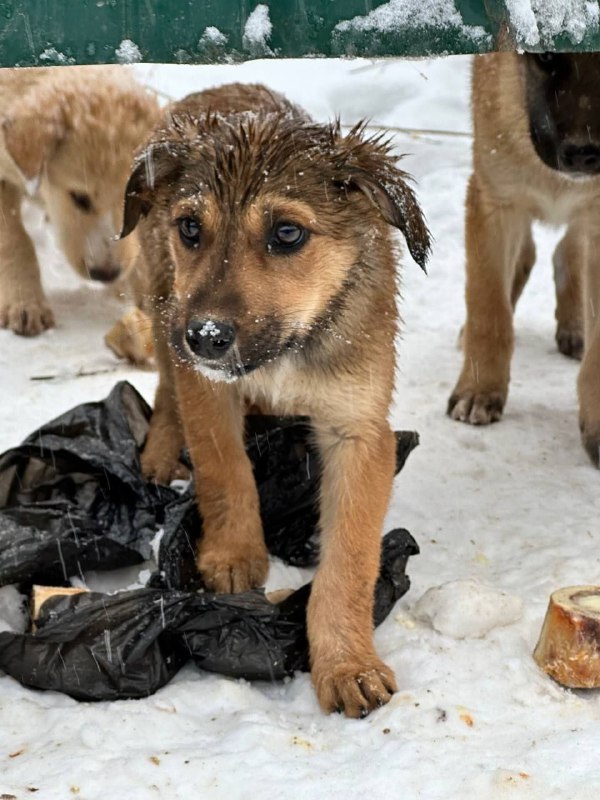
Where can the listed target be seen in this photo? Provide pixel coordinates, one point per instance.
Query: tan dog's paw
(160, 459)
(131, 338)
(354, 686)
(569, 339)
(590, 438)
(235, 568)
(476, 408)
(27, 317)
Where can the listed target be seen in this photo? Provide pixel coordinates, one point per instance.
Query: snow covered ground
(515, 505)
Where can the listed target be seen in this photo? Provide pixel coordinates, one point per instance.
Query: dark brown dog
(536, 155)
(272, 274)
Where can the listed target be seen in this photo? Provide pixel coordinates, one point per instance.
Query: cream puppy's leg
(23, 305)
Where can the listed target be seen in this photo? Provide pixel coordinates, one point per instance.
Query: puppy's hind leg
(568, 262)
(496, 234)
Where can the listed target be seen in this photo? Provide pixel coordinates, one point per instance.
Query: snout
(104, 274)
(210, 339)
(581, 159)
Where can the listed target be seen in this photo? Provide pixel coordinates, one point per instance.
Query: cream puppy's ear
(31, 135)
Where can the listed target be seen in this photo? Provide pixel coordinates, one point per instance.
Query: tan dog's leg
(588, 382)
(356, 484)
(568, 260)
(232, 556)
(495, 236)
(23, 306)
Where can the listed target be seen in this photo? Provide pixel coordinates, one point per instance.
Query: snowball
(12, 614)
(467, 608)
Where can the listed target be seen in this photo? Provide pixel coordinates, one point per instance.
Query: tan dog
(536, 155)
(271, 264)
(67, 139)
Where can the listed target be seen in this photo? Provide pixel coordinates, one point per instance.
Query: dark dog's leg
(495, 236)
(357, 477)
(568, 270)
(232, 555)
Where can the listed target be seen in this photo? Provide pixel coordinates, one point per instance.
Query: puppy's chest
(287, 388)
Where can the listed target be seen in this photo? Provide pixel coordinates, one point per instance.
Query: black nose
(576, 158)
(209, 338)
(104, 274)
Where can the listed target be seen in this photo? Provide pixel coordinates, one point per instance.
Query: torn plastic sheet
(72, 498)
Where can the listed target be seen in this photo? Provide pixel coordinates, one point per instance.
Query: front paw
(26, 317)
(234, 567)
(476, 408)
(354, 685)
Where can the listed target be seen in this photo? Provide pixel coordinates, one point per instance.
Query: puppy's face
(563, 95)
(271, 224)
(74, 140)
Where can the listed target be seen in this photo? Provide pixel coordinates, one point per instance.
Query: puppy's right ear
(160, 163)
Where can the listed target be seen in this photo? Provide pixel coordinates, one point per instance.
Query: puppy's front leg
(23, 306)
(588, 381)
(358, 470)
(232, 556)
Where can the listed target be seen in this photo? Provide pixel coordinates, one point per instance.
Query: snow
(128, 52)
(398, 14)
(257, 30)
(213, 36)
(536, 22)
(515, 505)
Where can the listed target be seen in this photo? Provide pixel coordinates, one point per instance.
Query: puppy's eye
(287, 237)
(189, 231)
(82, 201)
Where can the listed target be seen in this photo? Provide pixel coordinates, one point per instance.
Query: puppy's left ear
(370, 169)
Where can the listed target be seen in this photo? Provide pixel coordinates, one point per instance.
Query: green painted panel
(37, 32)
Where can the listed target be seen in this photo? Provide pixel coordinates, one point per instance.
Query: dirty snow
(516, 505)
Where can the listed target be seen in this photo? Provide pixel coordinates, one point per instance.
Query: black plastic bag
(94, 646)
(72, 497)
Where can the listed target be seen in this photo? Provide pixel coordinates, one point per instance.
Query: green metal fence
(38, 32)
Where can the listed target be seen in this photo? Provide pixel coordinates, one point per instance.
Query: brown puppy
(67, 139)
(536, 155)
(271, 266)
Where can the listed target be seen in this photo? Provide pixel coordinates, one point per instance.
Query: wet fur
(63, 130)
(316, 336)
(522, 117)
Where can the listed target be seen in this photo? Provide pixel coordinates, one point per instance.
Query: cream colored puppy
(67, 139)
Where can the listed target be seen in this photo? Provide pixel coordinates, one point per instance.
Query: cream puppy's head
(72, 136)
